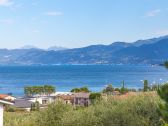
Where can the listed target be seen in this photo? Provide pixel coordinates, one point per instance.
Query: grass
(140, 109)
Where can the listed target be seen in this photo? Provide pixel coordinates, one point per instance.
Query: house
(7, 97)
(81, 99)
(67, 99)
(2, 103)
(43, 100)
(116, 93)
(22, 103)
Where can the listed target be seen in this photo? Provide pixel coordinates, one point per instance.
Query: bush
(125, 110)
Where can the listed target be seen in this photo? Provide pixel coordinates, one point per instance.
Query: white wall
(1, 115)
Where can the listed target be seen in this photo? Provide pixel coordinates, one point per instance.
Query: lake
(65, 77)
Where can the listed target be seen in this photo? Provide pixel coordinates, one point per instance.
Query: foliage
(19, 119)
(94, 96)
(123, 90)
(166, 64)
(33, 90)
(163, 93)
(109, 89)
(82, 89)
(35, 106)
(117, 89)
(129, 110)
(145, 86)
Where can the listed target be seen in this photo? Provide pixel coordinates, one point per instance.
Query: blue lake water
(66, 77)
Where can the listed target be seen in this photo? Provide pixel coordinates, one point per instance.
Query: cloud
(6, 3)
(162, 32)
(152, 13)
(53, 13)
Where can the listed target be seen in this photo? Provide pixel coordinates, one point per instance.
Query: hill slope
(151, 51)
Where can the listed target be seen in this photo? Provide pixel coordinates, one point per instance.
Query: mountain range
(150, 51)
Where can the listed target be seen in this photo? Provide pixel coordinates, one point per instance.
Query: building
(67, 99)
(7, 97)
(76, 99)
(2, 103)
(22, 103)
(43, 100)
(81, 99)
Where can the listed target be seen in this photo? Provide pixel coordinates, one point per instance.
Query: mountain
(149, 41)
(151, 51)
(29, 47)
(56, 48)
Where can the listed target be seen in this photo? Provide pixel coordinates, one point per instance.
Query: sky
(79, 23)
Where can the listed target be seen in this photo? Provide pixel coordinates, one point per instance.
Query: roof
(3, 101)
(22, 103)
(81, 95)
(2, 96)
(66, 97)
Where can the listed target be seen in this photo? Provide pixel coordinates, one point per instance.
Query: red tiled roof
(2, 96)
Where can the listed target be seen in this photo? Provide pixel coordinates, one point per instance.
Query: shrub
(125, 110)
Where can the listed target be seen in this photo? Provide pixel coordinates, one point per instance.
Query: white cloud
(53, 13)
(7, 21)
(152, 13)
(162, 32)
(5, 3)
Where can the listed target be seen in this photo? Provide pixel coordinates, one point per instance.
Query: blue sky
(78, 23)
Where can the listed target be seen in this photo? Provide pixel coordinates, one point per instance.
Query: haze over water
(66, 77)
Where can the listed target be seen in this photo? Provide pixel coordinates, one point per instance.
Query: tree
(94, 96)
(48, 89)
(145, 86)
(34, 90)
(123, 90)
(163, 93)
(75, 90)
(82, 89)
(166, 64)
(109, 89)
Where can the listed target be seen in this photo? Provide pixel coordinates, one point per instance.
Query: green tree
(109, 89)
(82, 89)
(48, 89)
(166, 64)
(75, 90)
(163, 93)
(94, 96)
(145, 89)
(123, 90)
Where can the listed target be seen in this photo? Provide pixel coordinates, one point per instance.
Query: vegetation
(166, 64)
(82, 89)
(95, 96)
(123, 90)
(145, 86)
(138, 109)
(35, 106)
(163, 93)
(34, 90)
(109, 89)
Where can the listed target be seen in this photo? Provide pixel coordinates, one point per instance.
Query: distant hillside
(56, 48)
(151, 51)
